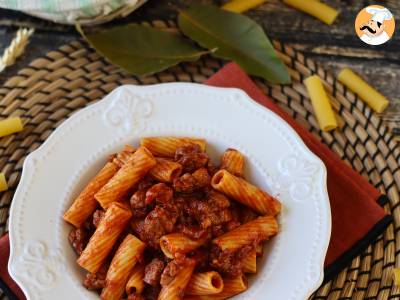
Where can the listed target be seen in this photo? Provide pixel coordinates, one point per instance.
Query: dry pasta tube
(128, 254)
(233, 161)
(166, 146)
(175, 289)
(368, 94)
(135, 282)
(207, 283)
(178, 243)
(3, 183)
(250, 263)
(260, 229)
(240, 6)
(102, 241)
(317, 9)
(85, 204)
(321, 104)
(232, 287)
(245, 193)
(10, 126)
(126, 178)
(166, 170)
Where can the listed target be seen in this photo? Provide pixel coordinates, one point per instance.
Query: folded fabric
(357, 218)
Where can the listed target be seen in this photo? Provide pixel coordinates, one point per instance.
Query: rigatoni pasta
(128, 254)
(207, 283)
(126, 178)
(170, 222)
(166, 170)
(259, 229)
(175, 289)
(233, 161)
(166, 146)
(135, 284)
(100, 244)
(246, 193)
(85, 204)
(178, 243)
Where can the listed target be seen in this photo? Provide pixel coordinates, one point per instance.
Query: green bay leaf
(233, 36)
(142, 50)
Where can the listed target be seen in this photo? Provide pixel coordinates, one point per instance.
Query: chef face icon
(375, 25)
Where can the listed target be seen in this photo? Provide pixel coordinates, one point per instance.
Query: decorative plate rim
(311, 282)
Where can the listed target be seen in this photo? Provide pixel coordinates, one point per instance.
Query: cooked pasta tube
(135, 282)
(175, 289)
(178, 243)
(124, 155)
(259, 229)
(85, 204)
(166, 146)
(100, 244)
(368, 94)
(166, 170)
(232, 287)
(128, 254)
(240, 6)
(10, 126)
(233, 161)
(3, 183)
(207, 283)
(245, 193)
(321, 103)
(317, 9)
(126, 178)
(250, 263)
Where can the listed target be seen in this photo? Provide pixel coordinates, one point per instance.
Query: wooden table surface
(332, 46)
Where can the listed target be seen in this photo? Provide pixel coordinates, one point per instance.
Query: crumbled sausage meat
(152, 272)
(138, 206)
(78, 239)
(96, 281)
(160, 192)
(158, 222)
(191, 157)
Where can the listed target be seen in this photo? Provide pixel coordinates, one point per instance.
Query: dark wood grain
(333, 46)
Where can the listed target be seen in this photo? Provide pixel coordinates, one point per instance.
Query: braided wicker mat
(51, 88)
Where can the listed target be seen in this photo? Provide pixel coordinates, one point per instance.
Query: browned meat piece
(189, 183)
(78, 239)
(96, 281)
(192, 231)
(97, 217)
(160, 192)
(191, 157)
(152, 272)
(212, 211)
(232, 224)
(158, 222)
(138, 206)
(211, 168)
(202, 177)
(185, 184)
(145, 184)
(228, 263)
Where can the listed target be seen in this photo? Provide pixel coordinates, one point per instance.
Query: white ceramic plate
(43, 263)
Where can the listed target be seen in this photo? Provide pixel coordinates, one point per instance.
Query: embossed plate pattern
(43, 263)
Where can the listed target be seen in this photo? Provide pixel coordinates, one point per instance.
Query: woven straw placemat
(53, 87)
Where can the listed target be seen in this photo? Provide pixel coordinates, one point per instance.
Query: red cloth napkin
(357, 218)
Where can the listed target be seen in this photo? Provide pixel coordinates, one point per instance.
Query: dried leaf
(142, 50)
(233, 36)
